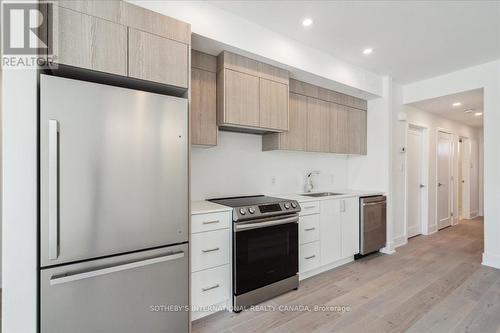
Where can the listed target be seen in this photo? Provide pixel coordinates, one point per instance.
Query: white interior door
(444, 185)
(414, 182)
(464, 185)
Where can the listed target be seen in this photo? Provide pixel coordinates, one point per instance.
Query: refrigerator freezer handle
(53, 185)
(114, 269)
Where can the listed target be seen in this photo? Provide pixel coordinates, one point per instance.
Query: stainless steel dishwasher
(372, 223)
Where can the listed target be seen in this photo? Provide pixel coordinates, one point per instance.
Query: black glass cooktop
(253, 200)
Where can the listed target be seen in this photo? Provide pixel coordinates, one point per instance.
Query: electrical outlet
(273, 180)
(332, 179)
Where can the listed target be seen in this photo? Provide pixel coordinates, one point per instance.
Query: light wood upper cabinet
(241, 99)
(357, 131)
(273, 105)
(203, 108)
(157, 59)
(296, 137)
(339, 129)
(81, 40)
(203, 99)
(252, 96)
(318, 125)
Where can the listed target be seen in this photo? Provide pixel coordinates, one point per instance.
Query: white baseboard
(474, 214)
(492, 260)
(388, 249)
(400, 241)
(325, 268)
(432, 229)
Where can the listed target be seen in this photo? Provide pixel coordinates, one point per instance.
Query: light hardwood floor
(433, 284)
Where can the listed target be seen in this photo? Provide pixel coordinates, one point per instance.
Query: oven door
(265, 251)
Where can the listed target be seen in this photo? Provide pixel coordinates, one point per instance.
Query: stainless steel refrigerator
(113, 209)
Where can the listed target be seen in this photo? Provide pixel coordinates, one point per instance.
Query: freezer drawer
(114, 170)
(123, 294)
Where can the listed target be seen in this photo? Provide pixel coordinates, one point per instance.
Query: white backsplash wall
(238, 166)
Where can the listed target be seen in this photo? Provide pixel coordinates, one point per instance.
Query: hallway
(434, 283)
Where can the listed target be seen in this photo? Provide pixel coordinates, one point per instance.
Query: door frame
(424, 221)
(466, 163)
(452, 178)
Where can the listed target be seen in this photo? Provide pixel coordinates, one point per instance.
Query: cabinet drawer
(211, 286)
(308, 208)
(309, 256)
(209, 249)
(309, 229)
(211, 221)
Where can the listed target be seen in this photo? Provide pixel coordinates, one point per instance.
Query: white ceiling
(411, 40)
(443, 106)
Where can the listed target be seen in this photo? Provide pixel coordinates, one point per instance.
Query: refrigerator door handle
(103, 271)
(53, 180)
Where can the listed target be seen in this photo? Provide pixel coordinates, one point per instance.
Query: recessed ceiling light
(457, 104)
(478, 114)
(307, 22)
(367, 51)
(468, 111)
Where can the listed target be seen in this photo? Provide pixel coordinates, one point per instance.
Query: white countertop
(345, 194)
(204, 207)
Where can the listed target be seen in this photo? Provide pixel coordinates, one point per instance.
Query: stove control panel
(266, 210)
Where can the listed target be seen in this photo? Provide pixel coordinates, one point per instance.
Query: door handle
(310, 229)
(114, 269)
(310, 257)
(422, 185)
(53, 180)
(439, 184)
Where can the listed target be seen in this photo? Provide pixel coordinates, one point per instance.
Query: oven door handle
(257, 225)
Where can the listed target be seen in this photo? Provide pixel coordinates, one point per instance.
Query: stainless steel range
(265, 248)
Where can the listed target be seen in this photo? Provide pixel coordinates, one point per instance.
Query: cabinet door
(331, 233)
(357, 131)
(157, 59)
(89, 42)
(296, 137)
(203, 108)
(318, 125)
(241, 97)
(350, 226)
(339, 129)
(273, 105)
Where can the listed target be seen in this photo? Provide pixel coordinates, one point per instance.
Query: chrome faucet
(309, 182)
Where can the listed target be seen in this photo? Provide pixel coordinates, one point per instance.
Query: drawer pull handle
(310, 257)
(211, 222)
(309, 207)
(310, 229)
(210, 288)
(211, 250)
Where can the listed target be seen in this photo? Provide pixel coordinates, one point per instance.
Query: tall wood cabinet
(203, 99)
(335, 122)
(251, 96)
(120, 38)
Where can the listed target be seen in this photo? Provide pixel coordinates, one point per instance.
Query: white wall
(238, 166)
(486, 76)
(19, 201)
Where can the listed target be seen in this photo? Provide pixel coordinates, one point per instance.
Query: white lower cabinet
(328, 234)
(309, 256)
(210, 290)
(350, 226)
(210, 263)
(331, 233)
(309, 229)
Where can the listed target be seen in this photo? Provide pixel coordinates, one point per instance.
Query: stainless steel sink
(321, 194)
